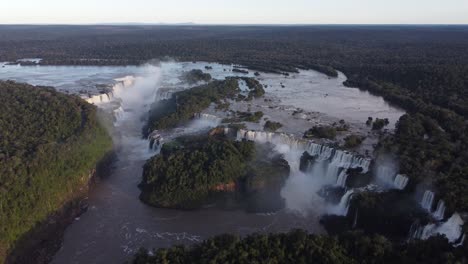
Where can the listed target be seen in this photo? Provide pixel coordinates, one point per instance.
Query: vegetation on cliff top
(299, 247)
(191, 169)
(196, 75)
(49, 144)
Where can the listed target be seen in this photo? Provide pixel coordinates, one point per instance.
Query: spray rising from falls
(128, 100)
(387, 176)
(328, 167)
(287, 143)
(452, 229)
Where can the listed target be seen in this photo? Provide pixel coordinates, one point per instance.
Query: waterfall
(452, 229)
(328, 167)
(155, 140)
(339, 158)
(427, 200)
(440, 211)
(415, 231)
(400, 181)
(343, 207)
(109, 96)
(342, 179)
(386, 175)
(119, 113)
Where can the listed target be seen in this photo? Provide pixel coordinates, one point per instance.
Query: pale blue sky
(236, 11)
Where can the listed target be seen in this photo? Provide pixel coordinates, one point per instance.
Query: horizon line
(227, 24)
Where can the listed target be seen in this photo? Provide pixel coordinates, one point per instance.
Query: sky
(234, 11)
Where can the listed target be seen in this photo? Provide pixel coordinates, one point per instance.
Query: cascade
(339, 158)
(342, 179)
(116, 89)
(155, 140)
(415, 231)
(452, 229)
(343, 207)
(427, 200)
(386, 175)
(400, 181)
(440, 211)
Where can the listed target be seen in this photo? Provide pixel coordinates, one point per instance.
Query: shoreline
(41, 243)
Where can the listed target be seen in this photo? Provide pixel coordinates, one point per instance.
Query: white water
(329, 167)
(452, 229)
(342, 179)
(387, 175)
(287, 143)
(440, 211)
(427, 200)
(343, 207)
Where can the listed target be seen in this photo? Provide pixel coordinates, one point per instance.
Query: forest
(189, 169)
(43, 166)
(193, 169)
(297, 246)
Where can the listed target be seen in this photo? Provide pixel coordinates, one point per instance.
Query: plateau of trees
(196, 75)
(49, 144)
(190, 170)
(298, 246)
(328, 132)
(272, 126)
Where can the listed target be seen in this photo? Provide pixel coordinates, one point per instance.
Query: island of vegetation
(196, 75)
(50, 144)
(272, 126)
(191, 170)
(182, 106)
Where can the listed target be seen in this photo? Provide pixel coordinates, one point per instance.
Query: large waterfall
(329, 167)
(121, 83)
(452, 229)
(337, 158)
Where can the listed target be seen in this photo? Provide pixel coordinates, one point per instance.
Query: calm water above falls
(117, 223)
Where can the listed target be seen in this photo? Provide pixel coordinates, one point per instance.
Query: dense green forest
(189, 169)
(49, 144)
(299, 247)
(192, 169)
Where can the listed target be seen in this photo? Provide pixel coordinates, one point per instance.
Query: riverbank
(39, 245)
